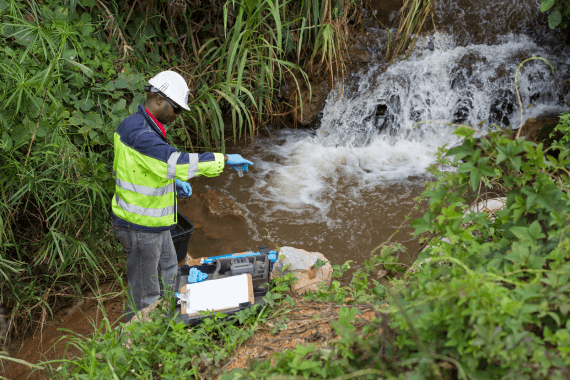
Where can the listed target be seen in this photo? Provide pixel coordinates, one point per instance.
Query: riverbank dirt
(49, 341)
(306, 323)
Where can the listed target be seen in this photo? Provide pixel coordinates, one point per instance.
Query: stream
(345, 187)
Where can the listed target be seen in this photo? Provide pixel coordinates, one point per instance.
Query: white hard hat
(173, 86)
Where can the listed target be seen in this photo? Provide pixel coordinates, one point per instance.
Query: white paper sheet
(217, 294)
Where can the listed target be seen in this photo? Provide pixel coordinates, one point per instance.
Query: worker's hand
(236, 161)
(184, 189)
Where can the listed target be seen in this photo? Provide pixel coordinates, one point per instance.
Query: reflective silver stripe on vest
(150, 212)
(171, 165)
(193, 165)
(146, 191)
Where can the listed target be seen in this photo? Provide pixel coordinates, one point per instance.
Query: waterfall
(447, 83)
(346, 186)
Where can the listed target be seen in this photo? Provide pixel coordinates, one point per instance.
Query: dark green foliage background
(560, 12)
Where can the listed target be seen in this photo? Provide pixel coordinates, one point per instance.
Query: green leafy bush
(490, 299)
(563, 130)
(560, 14)
(54, 156)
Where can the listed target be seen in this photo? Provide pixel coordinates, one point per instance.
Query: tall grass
(237, 57)
(71, 74)
(413, 16)
(56, 183)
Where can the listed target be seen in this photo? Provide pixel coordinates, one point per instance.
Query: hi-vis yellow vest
(145, 167)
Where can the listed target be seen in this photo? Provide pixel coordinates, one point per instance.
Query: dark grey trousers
(149, 254)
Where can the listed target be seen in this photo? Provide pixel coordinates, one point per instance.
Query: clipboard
(217, 295)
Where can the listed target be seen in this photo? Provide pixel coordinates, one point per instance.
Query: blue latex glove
(236, 161)
(184, 189)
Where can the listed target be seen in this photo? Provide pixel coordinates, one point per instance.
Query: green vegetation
(563, 128)
(412, 19)
(72, 70)
(560, 14)
(161, 347)
(490, 299)
(54, 156)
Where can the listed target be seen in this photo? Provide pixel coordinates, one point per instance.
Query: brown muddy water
(296, 195)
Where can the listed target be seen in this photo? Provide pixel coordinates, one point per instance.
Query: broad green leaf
(521, 232)
(546, 5)
(86, 30)
(70, 54)
(76, 119)
(119, 106)
(21, 134)
(516, 162)
(93, 120)
(85, 104)
(535, 230)
(554, 19)
(475, 177)
(43, 129)
(133, 107)
(121, 83)
(6, 139)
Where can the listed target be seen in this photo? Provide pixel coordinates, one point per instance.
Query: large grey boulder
(302, 265)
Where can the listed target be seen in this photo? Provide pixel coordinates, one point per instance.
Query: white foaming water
(349, 184)
(302, 170)
(305, 192)
(367, 135)
(471, 85)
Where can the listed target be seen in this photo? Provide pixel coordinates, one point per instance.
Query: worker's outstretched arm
(152, 154)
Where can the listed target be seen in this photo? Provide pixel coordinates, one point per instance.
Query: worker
(149, 173)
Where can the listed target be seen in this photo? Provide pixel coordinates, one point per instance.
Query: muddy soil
(306, 323)
(49, 341)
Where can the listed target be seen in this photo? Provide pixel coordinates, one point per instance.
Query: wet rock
(462, 109)
(312, 102)
(384, 11)
(381, 110)
(302, 265)
(219, 205)
(489, 206)
(359, 55)
(502, 108)
(539, 129)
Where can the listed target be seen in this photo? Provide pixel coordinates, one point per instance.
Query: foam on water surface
(346, 186)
